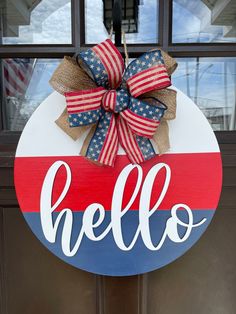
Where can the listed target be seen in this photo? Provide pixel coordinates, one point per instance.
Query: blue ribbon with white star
(120, 116)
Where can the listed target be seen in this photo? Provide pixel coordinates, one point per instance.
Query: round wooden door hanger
(122, 220)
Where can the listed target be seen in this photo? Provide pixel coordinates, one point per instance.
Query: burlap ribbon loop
(70, 77)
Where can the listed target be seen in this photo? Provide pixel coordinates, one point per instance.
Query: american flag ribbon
(155, 77)
(103, 146)
(112, 61)
(120, 117)
(132, 126)
(84, 107)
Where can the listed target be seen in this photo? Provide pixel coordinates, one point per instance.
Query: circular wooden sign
(118, 221)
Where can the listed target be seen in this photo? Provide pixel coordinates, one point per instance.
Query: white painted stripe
(186, 135)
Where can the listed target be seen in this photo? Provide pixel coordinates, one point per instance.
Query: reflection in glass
(211, 83)
(25, 85)
(139, 20)
(204, 21)
(35, 22)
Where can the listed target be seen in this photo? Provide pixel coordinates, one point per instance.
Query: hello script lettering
(89, 223)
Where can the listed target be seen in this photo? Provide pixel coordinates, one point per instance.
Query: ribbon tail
(143, 118)
(101, 144)
(84, 107)
(87, 141)
(161, 137)
(137, 148)
(166, 96)
(147, 73)
(83, 110)
(69, 77)
(75, 132)
(170, 62)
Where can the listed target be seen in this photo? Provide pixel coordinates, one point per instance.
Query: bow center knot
(109, 100)
(115, 100)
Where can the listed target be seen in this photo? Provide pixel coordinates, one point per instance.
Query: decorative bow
(112, 104)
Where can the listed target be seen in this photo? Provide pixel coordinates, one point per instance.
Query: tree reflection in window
(210, 82)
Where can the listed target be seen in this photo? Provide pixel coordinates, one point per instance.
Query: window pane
(25, 86)
(204, 21)
(211, 83)
(36, 22)
(139, 21)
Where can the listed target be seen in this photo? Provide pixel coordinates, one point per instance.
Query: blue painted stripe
(105, 258)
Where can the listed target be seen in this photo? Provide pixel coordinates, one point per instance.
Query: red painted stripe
(195, 181)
